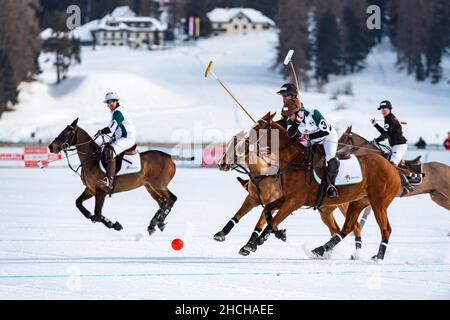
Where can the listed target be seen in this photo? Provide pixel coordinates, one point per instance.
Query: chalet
(238, 21)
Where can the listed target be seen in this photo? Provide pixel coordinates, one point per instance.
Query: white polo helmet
(111, 96)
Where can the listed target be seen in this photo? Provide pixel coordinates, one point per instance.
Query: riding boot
(332, 171)
(405, 183)
(107, 183)
(243, 182)
(110, 173)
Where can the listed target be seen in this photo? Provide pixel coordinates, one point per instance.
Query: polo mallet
(208, 71)
(288, 60)
(401, 122)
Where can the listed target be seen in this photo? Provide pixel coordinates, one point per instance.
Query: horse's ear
(350, 129)
(266, 116)
(272, 116)
(74, 123)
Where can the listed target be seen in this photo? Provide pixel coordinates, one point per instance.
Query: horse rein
(71, 146)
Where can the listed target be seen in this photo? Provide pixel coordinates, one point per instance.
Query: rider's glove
(373, 121)
(103, 131)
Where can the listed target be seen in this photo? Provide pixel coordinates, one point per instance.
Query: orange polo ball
(177, 244)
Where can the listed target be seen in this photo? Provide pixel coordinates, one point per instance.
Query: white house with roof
(121, 27)
(238, 21)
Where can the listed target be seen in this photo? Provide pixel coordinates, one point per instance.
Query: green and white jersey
(312, 122)
(121, 124)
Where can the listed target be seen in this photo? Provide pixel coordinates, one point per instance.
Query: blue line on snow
(211, 274)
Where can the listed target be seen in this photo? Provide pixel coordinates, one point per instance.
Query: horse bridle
(256, 180)
(71, 145)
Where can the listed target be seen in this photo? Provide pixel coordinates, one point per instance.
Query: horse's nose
(50, 147)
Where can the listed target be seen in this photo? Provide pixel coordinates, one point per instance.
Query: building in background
(238, 21)
(120, 28)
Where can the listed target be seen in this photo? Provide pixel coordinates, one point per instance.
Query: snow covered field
(49, 250)
(171, 101)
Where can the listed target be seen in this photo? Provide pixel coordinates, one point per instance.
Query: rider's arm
(292, 131)
(387, 131)
(324, 128)
(116, 121)
(105, 130)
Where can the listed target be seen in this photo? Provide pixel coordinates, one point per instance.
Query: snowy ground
(49, 250)
(171, 101)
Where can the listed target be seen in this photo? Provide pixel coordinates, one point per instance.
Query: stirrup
(332, 191)
(105, 184)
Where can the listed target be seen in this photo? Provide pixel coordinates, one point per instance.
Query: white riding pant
(329, 142)
(398, 151)
(122, 144)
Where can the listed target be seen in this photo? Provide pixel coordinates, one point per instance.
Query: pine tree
(293, 24)
(356, 41)
(438, 40)
(328, 51)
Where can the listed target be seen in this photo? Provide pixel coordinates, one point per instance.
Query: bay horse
(380, 185)
(436, 175)
(266, 191)
(158, 169)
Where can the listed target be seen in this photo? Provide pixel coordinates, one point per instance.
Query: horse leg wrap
(230, 225)
(358, 243)
(162, 215)
(280, 234)
(334, 241)
(251, 244)
(264, 236)
(381, 250)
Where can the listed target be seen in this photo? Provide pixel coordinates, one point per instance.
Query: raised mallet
(209, 71)
(288, 60)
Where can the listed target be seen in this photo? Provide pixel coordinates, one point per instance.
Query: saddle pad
(349, 172)
(130, 164)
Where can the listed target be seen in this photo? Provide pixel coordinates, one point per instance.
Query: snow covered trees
(19, 47)
(339, 39)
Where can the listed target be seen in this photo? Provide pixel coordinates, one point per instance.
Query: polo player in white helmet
(124, 138)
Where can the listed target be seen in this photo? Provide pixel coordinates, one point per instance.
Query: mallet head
(208, 68)
(288, 58)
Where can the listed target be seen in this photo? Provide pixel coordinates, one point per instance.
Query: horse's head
(234, 152)
(65, 139)
(346, 136)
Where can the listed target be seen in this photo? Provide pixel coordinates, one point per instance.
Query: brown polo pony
(265, 191)
(436, 175)
(158, 169)
(379, 187)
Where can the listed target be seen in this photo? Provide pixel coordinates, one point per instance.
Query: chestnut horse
(158, 169)
(436, 175)
(266, 191)
(380, 185)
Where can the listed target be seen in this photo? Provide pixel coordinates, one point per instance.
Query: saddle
(119, 157)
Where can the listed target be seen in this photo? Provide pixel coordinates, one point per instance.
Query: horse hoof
(219, 236)
(376, 258)
(244, 252)
(281, 234)
(94, 218)
(250, 246)
(355, 255)
(151, 231)
(117, 226)
(162, 226)
(319, 251)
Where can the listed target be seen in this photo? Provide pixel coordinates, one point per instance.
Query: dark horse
(158, 169)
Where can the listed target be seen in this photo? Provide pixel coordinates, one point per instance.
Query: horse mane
(85, 136)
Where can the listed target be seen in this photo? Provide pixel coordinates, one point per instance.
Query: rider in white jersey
(308, 126)
(124, 134)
